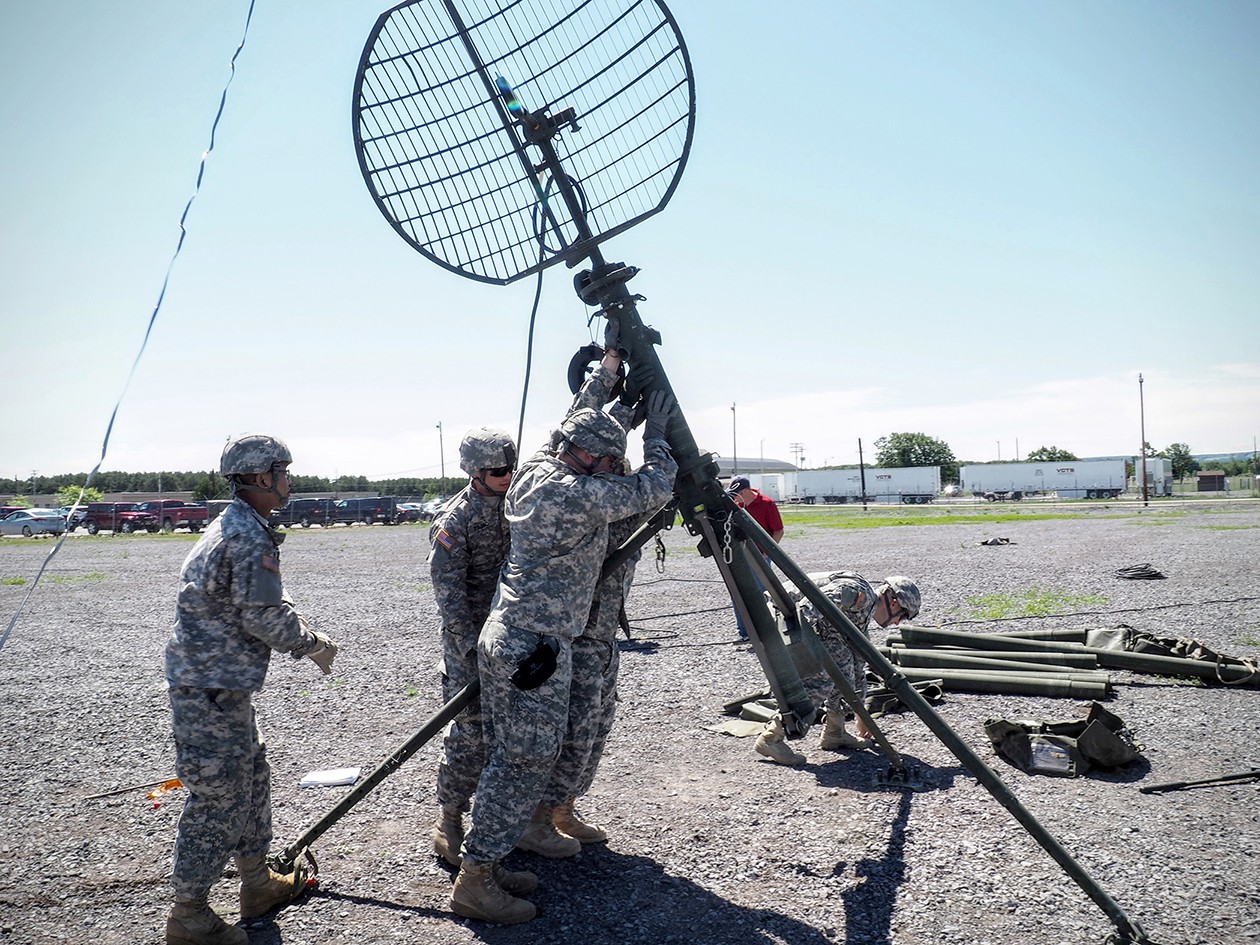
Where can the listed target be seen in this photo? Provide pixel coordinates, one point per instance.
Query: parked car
(28, 522)
(163, 515)
(73, 515)
(410, 512)
(104, 515)
(305, 512)
(369, 509)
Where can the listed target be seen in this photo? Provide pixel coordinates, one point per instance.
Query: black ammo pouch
(537, 668)
(1065, 749)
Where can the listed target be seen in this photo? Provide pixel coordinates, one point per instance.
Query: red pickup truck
(163, 515)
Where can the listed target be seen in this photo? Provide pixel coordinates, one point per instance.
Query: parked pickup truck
(163, 515)
(305, 512)
(381, 508)
(102, 516)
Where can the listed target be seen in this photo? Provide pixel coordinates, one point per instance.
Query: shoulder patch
(270, 562)
(444, 538)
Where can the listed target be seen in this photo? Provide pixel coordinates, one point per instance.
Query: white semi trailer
(1071, 479)
(908, 485)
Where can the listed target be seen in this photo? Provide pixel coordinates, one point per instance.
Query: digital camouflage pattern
(253, 453)
(221, 758)
(856, 598)
(231, 613)
(486, 448)
(559, 523)
(232, 610)
(468, 545)
(593, 691)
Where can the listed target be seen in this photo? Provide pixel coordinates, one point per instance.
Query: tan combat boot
(263, 889)
(193, 922)
(448, 834)
(518, 883)
(772, 744)
(564, 819)
(834, 736)
(477, 895)
(541, 837)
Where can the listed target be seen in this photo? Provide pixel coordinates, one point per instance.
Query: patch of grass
(17, 581)
(74, 578)
(411, 691)
(1034, 602)
(1250, 637)
(1227, 528)
(882, 520)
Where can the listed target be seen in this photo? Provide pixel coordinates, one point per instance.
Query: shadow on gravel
(857, 771)
(868, 906)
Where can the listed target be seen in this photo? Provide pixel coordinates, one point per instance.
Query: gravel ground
(708, 844)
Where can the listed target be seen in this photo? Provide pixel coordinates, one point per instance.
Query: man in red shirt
(764, 512)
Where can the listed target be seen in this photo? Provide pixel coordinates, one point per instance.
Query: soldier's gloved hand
(660, 407)
(323, 653)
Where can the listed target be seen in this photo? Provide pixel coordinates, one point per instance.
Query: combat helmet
(486, 448)
(253, 453)
(596, 432)
(906, 592)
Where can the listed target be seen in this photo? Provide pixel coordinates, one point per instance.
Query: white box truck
(1071, 479)
(908, 485)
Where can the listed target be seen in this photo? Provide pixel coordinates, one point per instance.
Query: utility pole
(798, 451)
(441, 456)
(734, 447)
(862, 473)
(1142, 418)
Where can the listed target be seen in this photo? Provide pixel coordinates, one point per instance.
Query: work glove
(322, 653)
(537, 668)
(660, 407)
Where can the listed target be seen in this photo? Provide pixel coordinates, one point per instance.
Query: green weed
(74, 578)
(18, 581)
(1034, 602)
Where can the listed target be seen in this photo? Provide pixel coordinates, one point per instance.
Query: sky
(976, 220)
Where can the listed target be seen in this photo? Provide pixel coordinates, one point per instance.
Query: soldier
(469, 543)
(558, 507)
(893, 600)
(232, 612)
(593, 691)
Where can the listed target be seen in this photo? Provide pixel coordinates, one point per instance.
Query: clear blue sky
(979, 221)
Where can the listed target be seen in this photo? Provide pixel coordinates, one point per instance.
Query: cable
(201, 170)
(529, 360)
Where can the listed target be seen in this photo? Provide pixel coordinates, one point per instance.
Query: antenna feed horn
(592, 285)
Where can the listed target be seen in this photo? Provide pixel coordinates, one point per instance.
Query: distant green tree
(1183, 464)
(916, 449)
(69, 495)
(1051, 454)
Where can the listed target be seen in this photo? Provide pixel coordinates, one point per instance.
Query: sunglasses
(499, 470)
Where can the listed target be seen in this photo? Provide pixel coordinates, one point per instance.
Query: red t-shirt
(765, 513)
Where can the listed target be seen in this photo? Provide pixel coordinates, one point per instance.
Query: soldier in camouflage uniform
(468, 545)
(232, 612)
(895, 599)
(558, 507)
(593, 691)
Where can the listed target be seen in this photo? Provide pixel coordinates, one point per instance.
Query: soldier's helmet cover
(595, 431)
(486, 448)
(906, 592)
(253, 453)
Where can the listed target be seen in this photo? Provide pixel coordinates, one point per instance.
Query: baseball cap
(738, 483)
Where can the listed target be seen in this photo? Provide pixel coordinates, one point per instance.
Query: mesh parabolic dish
(452, 170)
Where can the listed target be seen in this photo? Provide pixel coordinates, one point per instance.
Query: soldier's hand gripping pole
(1127, 931)
(435, 724)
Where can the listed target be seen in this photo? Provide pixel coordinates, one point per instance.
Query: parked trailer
(1073, 479)
(911, 485)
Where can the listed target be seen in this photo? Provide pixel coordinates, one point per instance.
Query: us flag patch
(444, 538)
(271, 563)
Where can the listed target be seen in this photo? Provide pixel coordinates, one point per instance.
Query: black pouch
(537, 668)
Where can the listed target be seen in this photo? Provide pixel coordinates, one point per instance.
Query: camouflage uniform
(853, 595)
(232, 612)
(469, 545)
(593, 691)
(559, 521)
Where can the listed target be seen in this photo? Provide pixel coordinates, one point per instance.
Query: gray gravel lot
(708, 844)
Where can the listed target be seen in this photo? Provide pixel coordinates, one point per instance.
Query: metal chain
(660, 555)
(726, 540)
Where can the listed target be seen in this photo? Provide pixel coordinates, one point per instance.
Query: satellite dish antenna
(460, 113)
